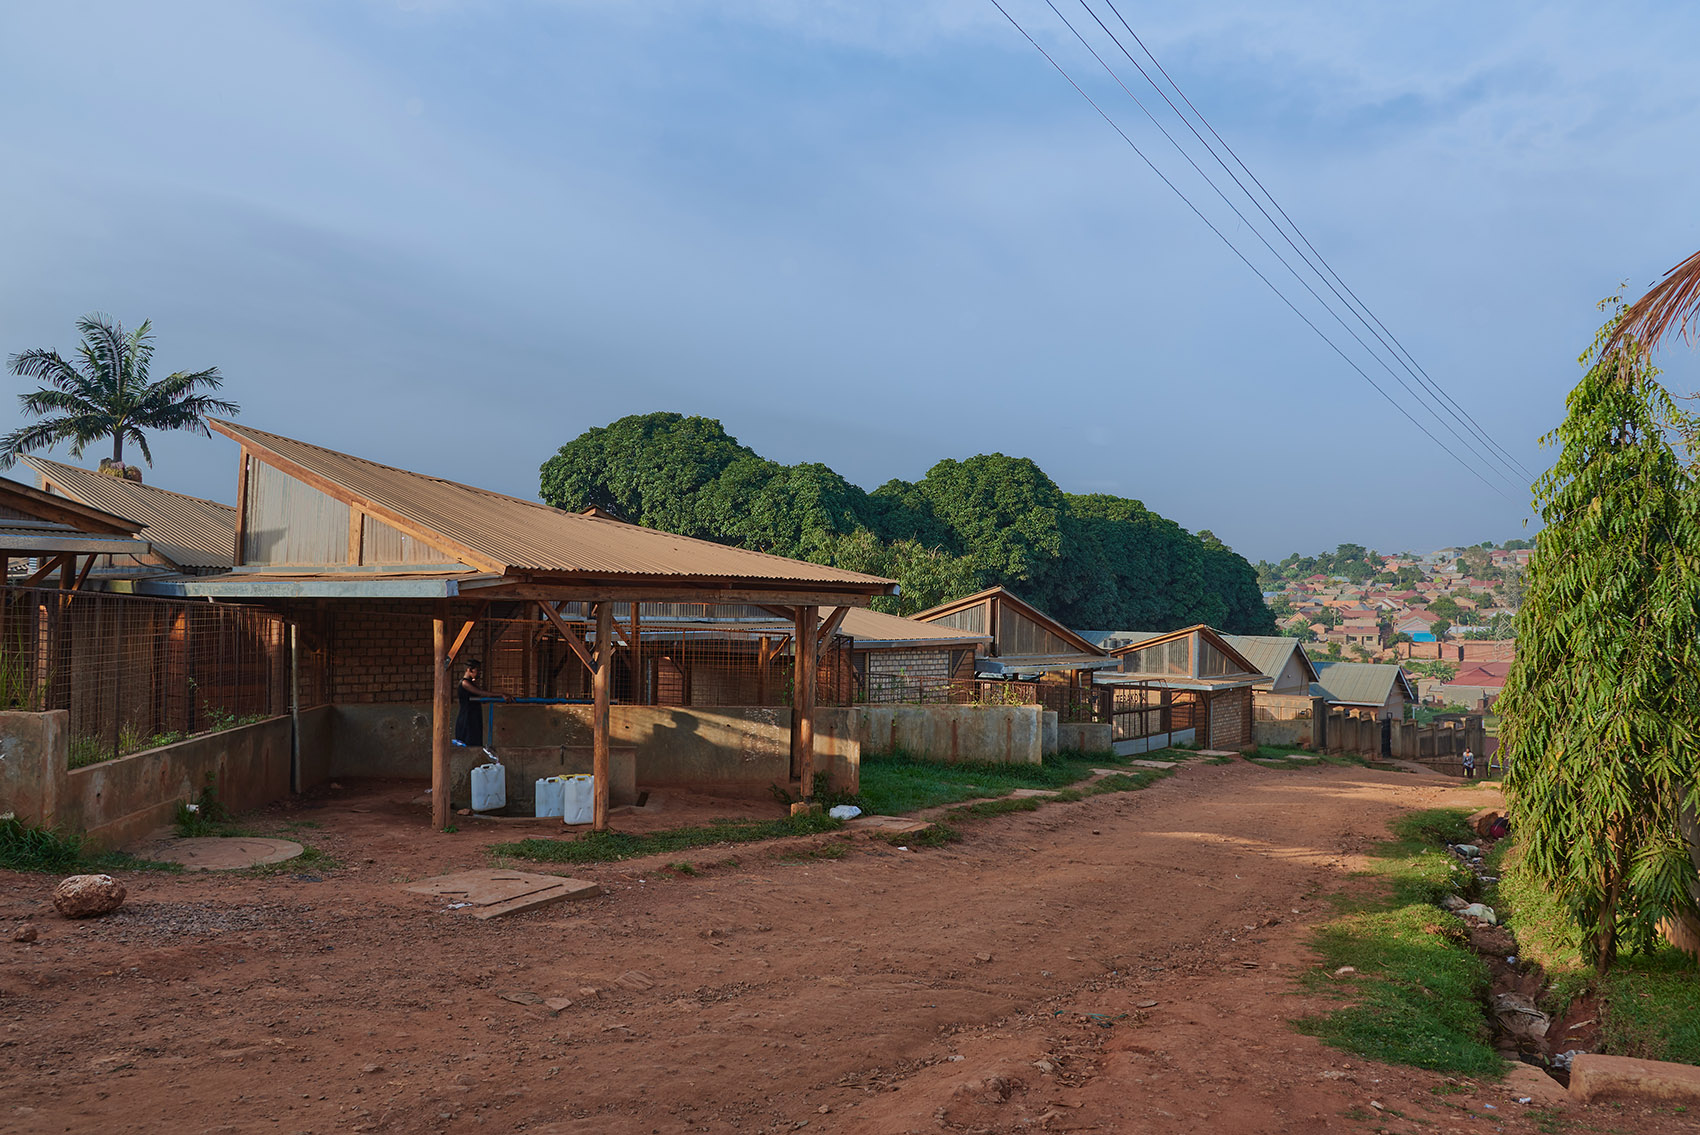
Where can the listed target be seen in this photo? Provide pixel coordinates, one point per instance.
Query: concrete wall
(739, 750)
(949, 734)
(1297, 732)
(1084, 737)
(34, 749)
(118, 801)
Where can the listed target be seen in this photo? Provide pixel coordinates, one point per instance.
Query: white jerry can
(551, 796)
(489, 788)
(579, 805)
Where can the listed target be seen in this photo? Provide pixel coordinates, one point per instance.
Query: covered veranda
(320, 532)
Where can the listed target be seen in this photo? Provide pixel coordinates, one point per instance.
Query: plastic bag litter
(844, 812)
(1482, 913)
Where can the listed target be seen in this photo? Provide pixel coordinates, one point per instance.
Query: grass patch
(835, 849)
(895, 784)
(936, 836)
(986, 808)
(24, 847)
(1649, 1003)
(1417, 997)
(612, 846)
(310, 859)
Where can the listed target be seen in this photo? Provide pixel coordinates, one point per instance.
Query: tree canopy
(1089, 560)
(1601, 709)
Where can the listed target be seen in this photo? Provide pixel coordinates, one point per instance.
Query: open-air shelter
(318, 532)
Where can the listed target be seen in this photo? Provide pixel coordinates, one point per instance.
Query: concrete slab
(218, 853)
(1526, 1081)
(491, 893)
(1217, 753)
(1140, 764)
(1596, 1077)
(1033, 793)
(886, 824)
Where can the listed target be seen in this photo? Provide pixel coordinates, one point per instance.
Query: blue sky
(451, 236)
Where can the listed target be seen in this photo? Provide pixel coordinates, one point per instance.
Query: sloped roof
(36, 522)
(1270, 653)
(869, 628)
(1110, 640)
(506, 535)
(1215, 638)
(1359, 683)
(188, 531)
(1024, 608)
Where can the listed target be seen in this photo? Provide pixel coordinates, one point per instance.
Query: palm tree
(1672, 304)
(108, 394)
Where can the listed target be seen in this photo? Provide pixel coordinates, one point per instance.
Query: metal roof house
(1194, 667)
(187, 534)
(1281, 659)
(1370, 688)
(355, 551)
(1024, 640)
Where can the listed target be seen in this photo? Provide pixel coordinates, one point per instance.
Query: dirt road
(1124, 963)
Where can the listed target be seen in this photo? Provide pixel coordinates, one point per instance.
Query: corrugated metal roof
(867, 626)
(1115, 640)
(188, 531)
(512, 535)
(1358, 683)
(1269, 653)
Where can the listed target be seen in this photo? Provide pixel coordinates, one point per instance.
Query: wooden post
(599, 714)
(803, 700)
(764, 663)
(634, 658)
(241, 508)
(442, 703)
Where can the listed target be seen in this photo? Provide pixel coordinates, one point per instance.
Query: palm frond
(103, 346)
(131, 433)
(48, 400)
(45, 366)
(1673, 302)
(42, 435)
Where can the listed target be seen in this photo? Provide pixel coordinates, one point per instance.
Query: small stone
(1044, 1066)
(522, 997)
(588, 991)
(24, 933)
(556, 1004)
(463, 811)
(86, 896)
(634, 980)
(1345, 971)
(823, 1109)
(1146, 1005)
(982, 958)
(372, 1069)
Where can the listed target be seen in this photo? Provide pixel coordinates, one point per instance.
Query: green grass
(1416, 998)
(1649, 1003)
(897, 784)
(24, 847)
(612, 846)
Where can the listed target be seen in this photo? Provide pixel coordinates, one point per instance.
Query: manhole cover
(213, 853)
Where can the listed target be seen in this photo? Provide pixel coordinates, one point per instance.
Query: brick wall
(1230, 719)
(887, 669)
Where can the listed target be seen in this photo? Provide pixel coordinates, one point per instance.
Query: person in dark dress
(469, 723)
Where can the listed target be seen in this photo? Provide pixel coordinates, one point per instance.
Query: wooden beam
(47, 569)
(356, 534)
(573, 641)
(465, 630)
(599, 714)
(764, 663)
(241, 507)
(658, 593)
(635, 657)
(830, 628)
(442, 704)
(803, 701)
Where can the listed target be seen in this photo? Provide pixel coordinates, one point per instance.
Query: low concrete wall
(737, 750)
(1048, 734)
(1151, 744)
(1084, 737)
(317, 744)
(34, 751)
(1296, 732)
(122, 800)
(949, 734)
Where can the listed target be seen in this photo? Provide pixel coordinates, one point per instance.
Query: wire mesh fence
(135, 672)
(1070, 703)
(1148, 710)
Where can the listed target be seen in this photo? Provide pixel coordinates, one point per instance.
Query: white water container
(489, 788)
(579, 803)
(551, 796)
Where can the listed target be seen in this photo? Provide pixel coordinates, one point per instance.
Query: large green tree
(1601, 710)
(108, 393)
(1097, 562)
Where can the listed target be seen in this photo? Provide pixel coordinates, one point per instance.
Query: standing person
(1469, 764)
(469, 723)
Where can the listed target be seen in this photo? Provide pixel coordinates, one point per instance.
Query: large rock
(1596, 1077)
(85, 896)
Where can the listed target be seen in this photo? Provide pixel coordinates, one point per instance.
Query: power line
(1421, 397)
(1231, 246)
(1400, 352)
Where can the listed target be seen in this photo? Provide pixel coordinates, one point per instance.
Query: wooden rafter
(47, 569)
(573, 640)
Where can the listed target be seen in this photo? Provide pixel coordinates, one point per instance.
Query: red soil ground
(1127, 963)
